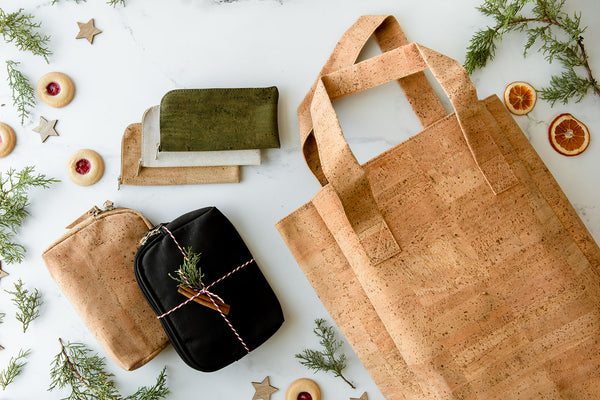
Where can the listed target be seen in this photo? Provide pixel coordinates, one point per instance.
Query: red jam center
(304, 396)
(83, 166)
(0, 139)
(53, 89)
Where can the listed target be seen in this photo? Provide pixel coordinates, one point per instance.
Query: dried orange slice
(520, 98)
(568, 135)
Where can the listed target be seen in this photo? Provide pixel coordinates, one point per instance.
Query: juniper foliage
(77, 368)
(14, 206)
(189, 274)
(23, 94)
(113, 3)
(14, 368)
(28, 304)
(326, 360)
(558, 34)
(22, 30)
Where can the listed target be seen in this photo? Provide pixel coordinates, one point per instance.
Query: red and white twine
(211, 296)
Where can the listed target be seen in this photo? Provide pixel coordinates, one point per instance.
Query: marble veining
(152, 46)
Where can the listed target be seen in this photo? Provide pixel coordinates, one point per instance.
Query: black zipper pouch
(238, 311)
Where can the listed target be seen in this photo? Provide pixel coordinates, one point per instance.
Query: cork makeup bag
(453, 262)
(93, 266)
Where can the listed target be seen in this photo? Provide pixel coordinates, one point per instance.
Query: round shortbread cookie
(85, 167)
(303, 389)
(56, 89)
(7, 140)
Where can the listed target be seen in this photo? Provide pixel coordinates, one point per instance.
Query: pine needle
(28, 304)
(84, 372)
(558, 34)
(23, 94)
(13, 369)
(189, 274)
(22, 30)
(325, 360)
(14, 208)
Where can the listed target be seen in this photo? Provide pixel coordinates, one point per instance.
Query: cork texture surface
(134, 174)
(495, 291)
(93, 266)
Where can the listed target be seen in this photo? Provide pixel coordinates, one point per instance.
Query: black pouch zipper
(153, 235)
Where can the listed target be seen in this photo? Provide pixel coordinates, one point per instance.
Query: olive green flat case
(219, 119)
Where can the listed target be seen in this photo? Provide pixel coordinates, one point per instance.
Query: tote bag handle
(340, 167)
(389, 35)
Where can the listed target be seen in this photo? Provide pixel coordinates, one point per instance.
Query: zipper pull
(152, 232)
(86, 215)
(92, 212)
(108, 206)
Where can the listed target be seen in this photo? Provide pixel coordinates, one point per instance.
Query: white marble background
(152, 46)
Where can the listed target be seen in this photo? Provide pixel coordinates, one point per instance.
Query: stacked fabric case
(200, 136)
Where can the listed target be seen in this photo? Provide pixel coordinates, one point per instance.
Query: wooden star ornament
(46, 128)
(2, 273)
(363, 397)
(87, 31)
(264, 390)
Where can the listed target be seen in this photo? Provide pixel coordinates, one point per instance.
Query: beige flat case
(133, 172)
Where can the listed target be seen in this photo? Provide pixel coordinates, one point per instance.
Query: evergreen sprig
(23, 94)
(14, 368)
(2, 315)
(558, 33)
(189, 274)
(325, 360)
(22, 29)
(113, 3)
(82, 371)
(28, 304)
(13, 208)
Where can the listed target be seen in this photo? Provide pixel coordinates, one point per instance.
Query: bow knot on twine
(217, 302)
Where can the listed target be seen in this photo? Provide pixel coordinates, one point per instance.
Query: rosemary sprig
(13, 208)
(2, 315)
(559, 35)
(77, 368)
(14, 368)
(325, 360)
(27, 303)
(189, 274)
(23, 94)
(22, 29)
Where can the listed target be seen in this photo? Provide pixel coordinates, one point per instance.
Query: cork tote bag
(93, 266)
(453, 263)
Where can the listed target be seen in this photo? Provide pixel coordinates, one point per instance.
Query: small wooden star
(264, 390)
(363, 397)
(46, 128)
(87, 31)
